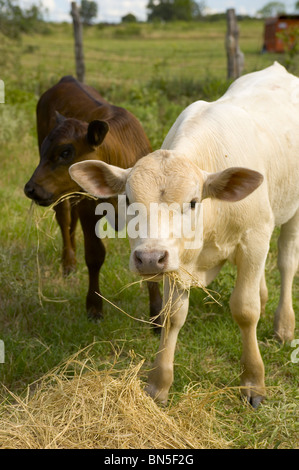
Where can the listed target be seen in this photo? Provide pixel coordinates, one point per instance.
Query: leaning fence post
(235, 57)
(79, 56)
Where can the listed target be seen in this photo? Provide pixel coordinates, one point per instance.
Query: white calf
(238, 160)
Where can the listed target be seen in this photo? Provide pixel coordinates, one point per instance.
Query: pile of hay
(78, 406)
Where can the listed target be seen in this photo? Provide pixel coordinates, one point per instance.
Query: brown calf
(74, 123)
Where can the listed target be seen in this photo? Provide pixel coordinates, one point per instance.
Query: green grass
(155, 72)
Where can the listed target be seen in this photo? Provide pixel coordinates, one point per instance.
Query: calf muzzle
(38, 194)
(151, 262)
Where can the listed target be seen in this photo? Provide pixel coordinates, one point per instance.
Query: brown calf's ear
(232, 184)
(98, 178)
(96, 132)
(59, 117)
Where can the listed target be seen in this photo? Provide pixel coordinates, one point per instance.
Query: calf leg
(94, 256)
(74, 220)
(288, 258)
(155, 303)
(245, 305)
(161, 376)
(67, 217)
(263, 293)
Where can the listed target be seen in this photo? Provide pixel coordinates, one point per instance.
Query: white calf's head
(163, 192)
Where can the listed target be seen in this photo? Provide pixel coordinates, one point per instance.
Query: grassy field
(155, 72)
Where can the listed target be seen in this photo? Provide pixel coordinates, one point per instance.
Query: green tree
(297, 5)
(129, 18)
(162, 10)
(171, 10)
(14, 20)
(88, 11)
(272, 9)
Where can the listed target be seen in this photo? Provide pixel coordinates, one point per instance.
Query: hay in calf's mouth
(78, 406)
(187, 280)
(182, 280)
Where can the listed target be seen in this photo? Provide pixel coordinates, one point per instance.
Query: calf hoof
(68, 268)
(253, 395)
(93, 314)
(94, 307)
(68, 263)
(284, 334)
(159, 396)
(254, 401)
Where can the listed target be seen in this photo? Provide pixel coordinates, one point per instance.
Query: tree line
(15, 20)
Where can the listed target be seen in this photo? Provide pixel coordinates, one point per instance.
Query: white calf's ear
(232, 184)
(98, 178)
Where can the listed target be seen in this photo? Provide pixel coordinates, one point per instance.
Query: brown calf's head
(70, 141)
(166, 190)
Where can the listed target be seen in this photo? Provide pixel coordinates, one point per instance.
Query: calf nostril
(138, 258)
(151, 261)
(163, 258)
(29, 189)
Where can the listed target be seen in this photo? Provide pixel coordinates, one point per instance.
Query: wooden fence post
(235, 57)
(79, 56)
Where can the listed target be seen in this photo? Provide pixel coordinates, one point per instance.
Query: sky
(112, 10)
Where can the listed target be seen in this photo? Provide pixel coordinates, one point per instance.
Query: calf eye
(65, 153)
(193, 203)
